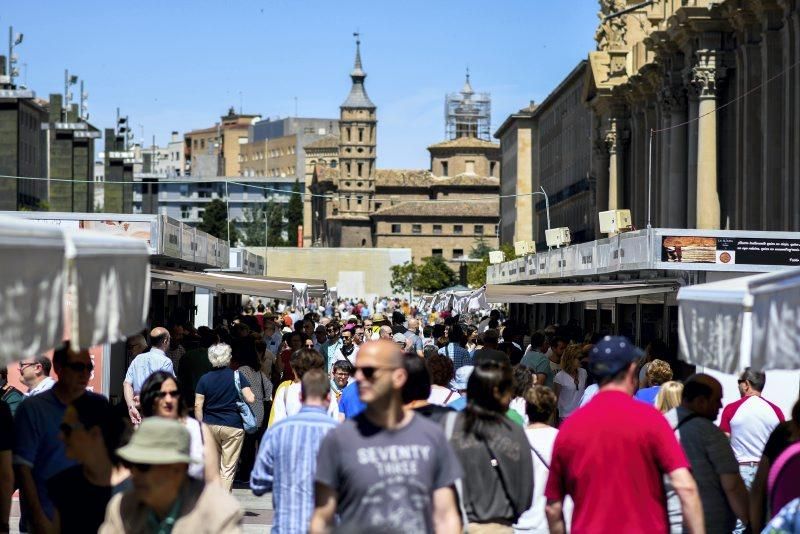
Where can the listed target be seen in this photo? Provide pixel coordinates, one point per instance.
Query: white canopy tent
(753, 321)
(96, 285)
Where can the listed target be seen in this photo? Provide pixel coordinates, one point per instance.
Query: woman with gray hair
(215, 405)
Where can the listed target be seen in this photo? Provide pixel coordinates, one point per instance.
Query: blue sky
(179, 64)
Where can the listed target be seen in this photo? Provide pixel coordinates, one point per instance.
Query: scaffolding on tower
(468, 114)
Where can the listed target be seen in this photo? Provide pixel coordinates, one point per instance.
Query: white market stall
(753, 321)
(51, 278)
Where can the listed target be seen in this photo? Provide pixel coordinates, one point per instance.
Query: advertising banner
(731, 250)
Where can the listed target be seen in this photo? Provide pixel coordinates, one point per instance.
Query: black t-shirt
(434, 412)
(490, 355)
(81, 505)
(6, 427)
(778, 441)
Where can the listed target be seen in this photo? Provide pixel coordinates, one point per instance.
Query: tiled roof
(465, 142)
(473, 208)
(327, 141)
(403, 178)
(466, 180)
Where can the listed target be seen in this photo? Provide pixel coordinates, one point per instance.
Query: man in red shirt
(610, 456)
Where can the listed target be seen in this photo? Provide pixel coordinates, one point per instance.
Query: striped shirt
(458, 354)
(287, 464)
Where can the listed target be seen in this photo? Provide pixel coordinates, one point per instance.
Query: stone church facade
(445, 210)
(696, 109)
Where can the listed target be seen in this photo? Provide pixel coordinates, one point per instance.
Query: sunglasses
(369, 371)
(142, 468)
(80, 367)
(173, 394)
(67, 429)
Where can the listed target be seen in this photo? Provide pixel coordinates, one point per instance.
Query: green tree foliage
(254, 225)
(215, 222)
(476, 272)
(294, 213)
(433, 275)
(275, 217)
(403, 277)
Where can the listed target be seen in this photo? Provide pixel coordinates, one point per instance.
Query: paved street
(257, 510)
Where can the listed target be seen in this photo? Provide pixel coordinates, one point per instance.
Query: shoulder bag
(248, 419)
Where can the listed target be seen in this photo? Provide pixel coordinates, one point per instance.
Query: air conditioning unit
(524, 248)
(496, 256)
(615, 221)
(557, 237)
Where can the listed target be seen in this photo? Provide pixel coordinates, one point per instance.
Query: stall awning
(750, 320)
(245, 284)
(564, 294)
(96, 285)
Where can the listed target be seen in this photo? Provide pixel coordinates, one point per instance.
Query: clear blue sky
(179, 64)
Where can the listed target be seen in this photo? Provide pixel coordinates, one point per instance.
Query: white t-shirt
(533, 520)
(750, 421)
(518, 404)
(196, 453)
(287, 402)
(439, 395)
(569, 399)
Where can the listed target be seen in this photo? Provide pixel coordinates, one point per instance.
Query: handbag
(248, 418)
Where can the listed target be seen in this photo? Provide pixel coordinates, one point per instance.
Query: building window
(359, 199)
(470, 167)
(458, 229)
(436, 253)
(308, 131)
(416, 228)
(437, 229)
(360, 135)
(347, 166)
(347, 134)
(184, 211)
(479, 229)
(332, 164)
(360, 168)
(491, 168)
(445, 171)
(395, 228)
(496, 229)
(458, 253)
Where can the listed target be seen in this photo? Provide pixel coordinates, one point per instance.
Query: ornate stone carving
(615, 135)
(672, 97)
(611, 33)
(707, 73)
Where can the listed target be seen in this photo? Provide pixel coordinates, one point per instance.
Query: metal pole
(80, 103)
(546, 206)
(66, 92)
(10, 53)
(266, 234)
(650, 175)
(228, 210)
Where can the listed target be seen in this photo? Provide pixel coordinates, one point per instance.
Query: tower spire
(358, 95)
(357, 69)
(467, 89)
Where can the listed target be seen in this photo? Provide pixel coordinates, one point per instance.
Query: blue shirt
(220, 397)
(350, 404)
(459, 404)
(457, 353)
(37, 445)
(648, 395)
(287, 464)
(328, 351)
(144, 365)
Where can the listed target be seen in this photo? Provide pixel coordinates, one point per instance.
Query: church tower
(357, 143)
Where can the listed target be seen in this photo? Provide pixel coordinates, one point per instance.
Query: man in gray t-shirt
(386, 470)
(714, 466)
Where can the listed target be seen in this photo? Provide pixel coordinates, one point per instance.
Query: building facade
(445, 211)
(709, 86)
(516, 177)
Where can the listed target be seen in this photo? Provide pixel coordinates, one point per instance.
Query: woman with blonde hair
(669, 396)
(570, 382)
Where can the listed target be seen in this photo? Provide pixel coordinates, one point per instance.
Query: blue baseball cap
(612, 354)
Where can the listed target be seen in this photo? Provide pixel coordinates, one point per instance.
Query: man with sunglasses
(387, 468)
(164, 498)
(143, 366)
(39, 454)
(35, 374)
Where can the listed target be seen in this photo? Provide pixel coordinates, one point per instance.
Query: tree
(403, 277)
(254, 227)
(275, 216)
(433, 275)
(215, 222)
(476, 272)
(294, 213)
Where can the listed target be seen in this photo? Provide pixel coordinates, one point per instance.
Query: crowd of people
(361, 418)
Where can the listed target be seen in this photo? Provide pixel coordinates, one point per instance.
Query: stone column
(674, 99)
(691, 159)
(752, 204)
(772, 134)
(600, 167)
(790, 88)
(615, 164)
(661, 160)
(706, 75)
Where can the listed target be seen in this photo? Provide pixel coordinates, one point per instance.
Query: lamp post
(546, 203)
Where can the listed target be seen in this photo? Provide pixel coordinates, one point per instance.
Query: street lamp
(546, 203)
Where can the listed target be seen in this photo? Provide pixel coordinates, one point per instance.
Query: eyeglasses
(142, 468)
(174, 394)
(369, 371)
(24, 365)
(67, 428)
(79, 367)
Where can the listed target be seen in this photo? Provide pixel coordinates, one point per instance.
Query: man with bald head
(709, 451)
(143, 366)
(387, 468)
